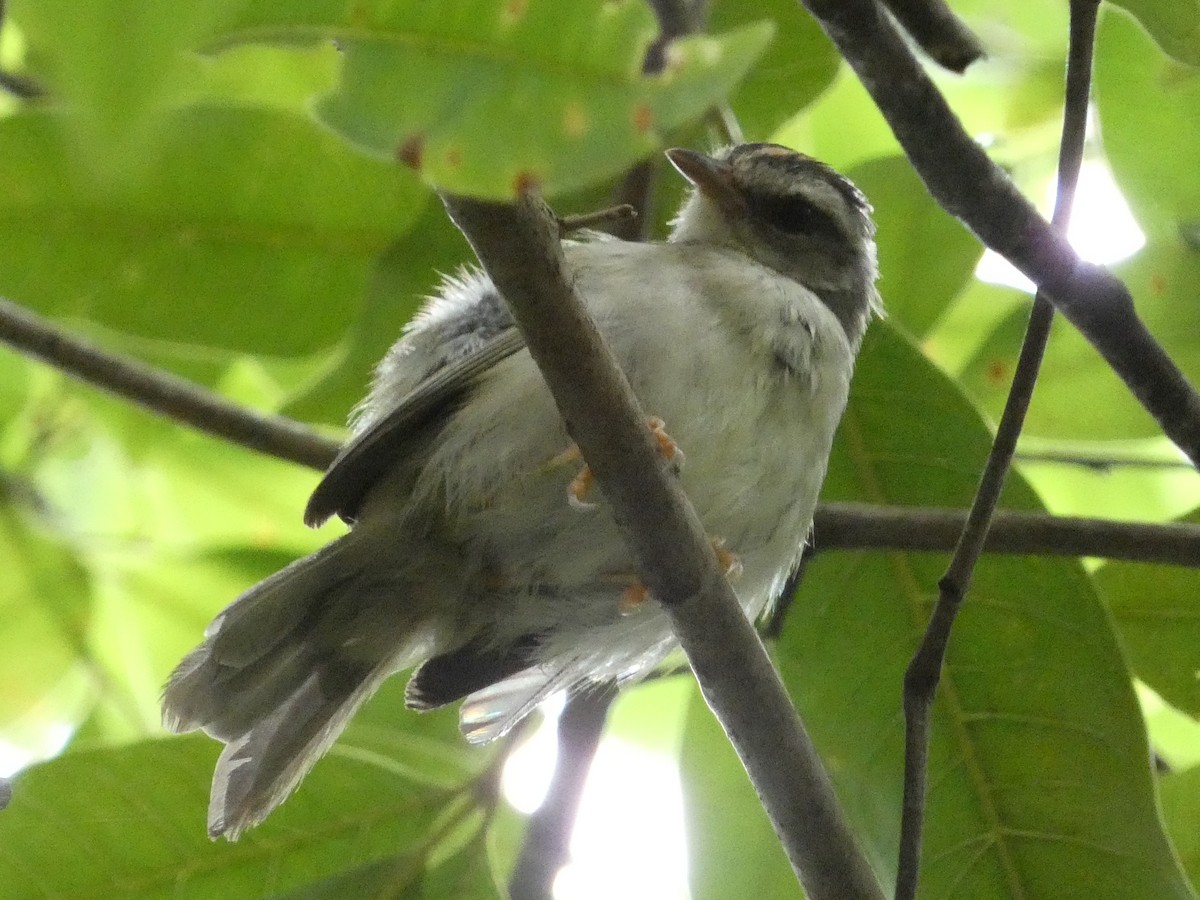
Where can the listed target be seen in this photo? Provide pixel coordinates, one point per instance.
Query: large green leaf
(129, 822)
(916, 285)
(1040, 780)
(1174, 24)
(1156, 611)
(1149, 109)
(795, 69)
(255, 230)
(114, 64)
(483, 96)
(1078, 395)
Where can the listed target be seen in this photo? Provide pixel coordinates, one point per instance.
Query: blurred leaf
(485, 96)
(1078, 394)
(1182, 815)
(917, 285)
(796, 67)
(72, 49)
(1039, 769)
(1157, 616)
(130, 823)
(1174, 25)
(730, 839)
(234, 240)
(404, 274)
(1149, 110)
(45, 606)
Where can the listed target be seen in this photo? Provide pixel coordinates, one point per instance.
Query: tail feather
(283, 669)
(259, 769)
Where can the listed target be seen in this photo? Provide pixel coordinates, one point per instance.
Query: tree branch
(924, 672)
(548, 837)
(961, 177)
(163, 393)
(861, 526)
(939, 32)
(837, 526)
(518, 247)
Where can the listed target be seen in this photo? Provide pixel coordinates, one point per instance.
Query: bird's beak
(712, 177)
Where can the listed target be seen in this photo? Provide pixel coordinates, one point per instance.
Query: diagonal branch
(961, 177)
(837, 526)
(518, 247)
(164, 393)
(924, 672)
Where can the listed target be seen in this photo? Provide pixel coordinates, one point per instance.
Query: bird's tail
(285, 666)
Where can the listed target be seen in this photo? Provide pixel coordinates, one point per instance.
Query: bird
(478, 555)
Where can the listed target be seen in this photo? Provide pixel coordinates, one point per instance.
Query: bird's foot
(634, 597)
(580, 488)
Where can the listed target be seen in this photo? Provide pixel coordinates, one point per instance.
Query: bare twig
(940, 33)
(518, 247)
(838, 526)
(618, 213)
(547, 838)
(163, 393)
(859, 526)
(970, 186)
(924, 672)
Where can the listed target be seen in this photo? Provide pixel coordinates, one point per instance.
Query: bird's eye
(792, 214)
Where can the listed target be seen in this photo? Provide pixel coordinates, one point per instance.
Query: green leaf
(917, 285)
(45, 606)
(1040, 780)
(129, 822)
(1155, 610)
(1149, 110)
(794, 70)
(483, 97)
(730, 838)
(232, 239)
(1162, 279)
(72, 50)
(1174, 25)
(1182, 815)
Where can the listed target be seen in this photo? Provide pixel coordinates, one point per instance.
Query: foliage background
(180, 196)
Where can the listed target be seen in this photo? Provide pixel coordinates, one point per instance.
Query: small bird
(477, 551)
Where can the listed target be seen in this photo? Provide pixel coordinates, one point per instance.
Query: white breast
(750, 372)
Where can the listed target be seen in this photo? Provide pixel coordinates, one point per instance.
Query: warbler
(478, 551)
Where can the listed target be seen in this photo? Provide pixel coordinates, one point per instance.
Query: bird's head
(790, 213)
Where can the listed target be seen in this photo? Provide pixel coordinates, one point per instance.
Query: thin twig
(860, 526)
(547, 838)
(163, 393)
(969, 185)
(837, 526)
(924, 672)
(518, 247)
(618, 213)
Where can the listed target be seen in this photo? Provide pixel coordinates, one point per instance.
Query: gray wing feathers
(369, 455)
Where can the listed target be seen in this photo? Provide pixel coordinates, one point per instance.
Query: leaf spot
(524, 183)
(411, 151)
(1158, 284)
(643, 118)
(454, 157)
(574, 120)
(513, 12)
(997, 371)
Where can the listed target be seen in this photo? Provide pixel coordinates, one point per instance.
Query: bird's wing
(372, 452)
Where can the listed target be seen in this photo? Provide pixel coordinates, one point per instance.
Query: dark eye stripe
(793, 215)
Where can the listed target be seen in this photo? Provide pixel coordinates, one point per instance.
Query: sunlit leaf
(485, 97)
(255, 231)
